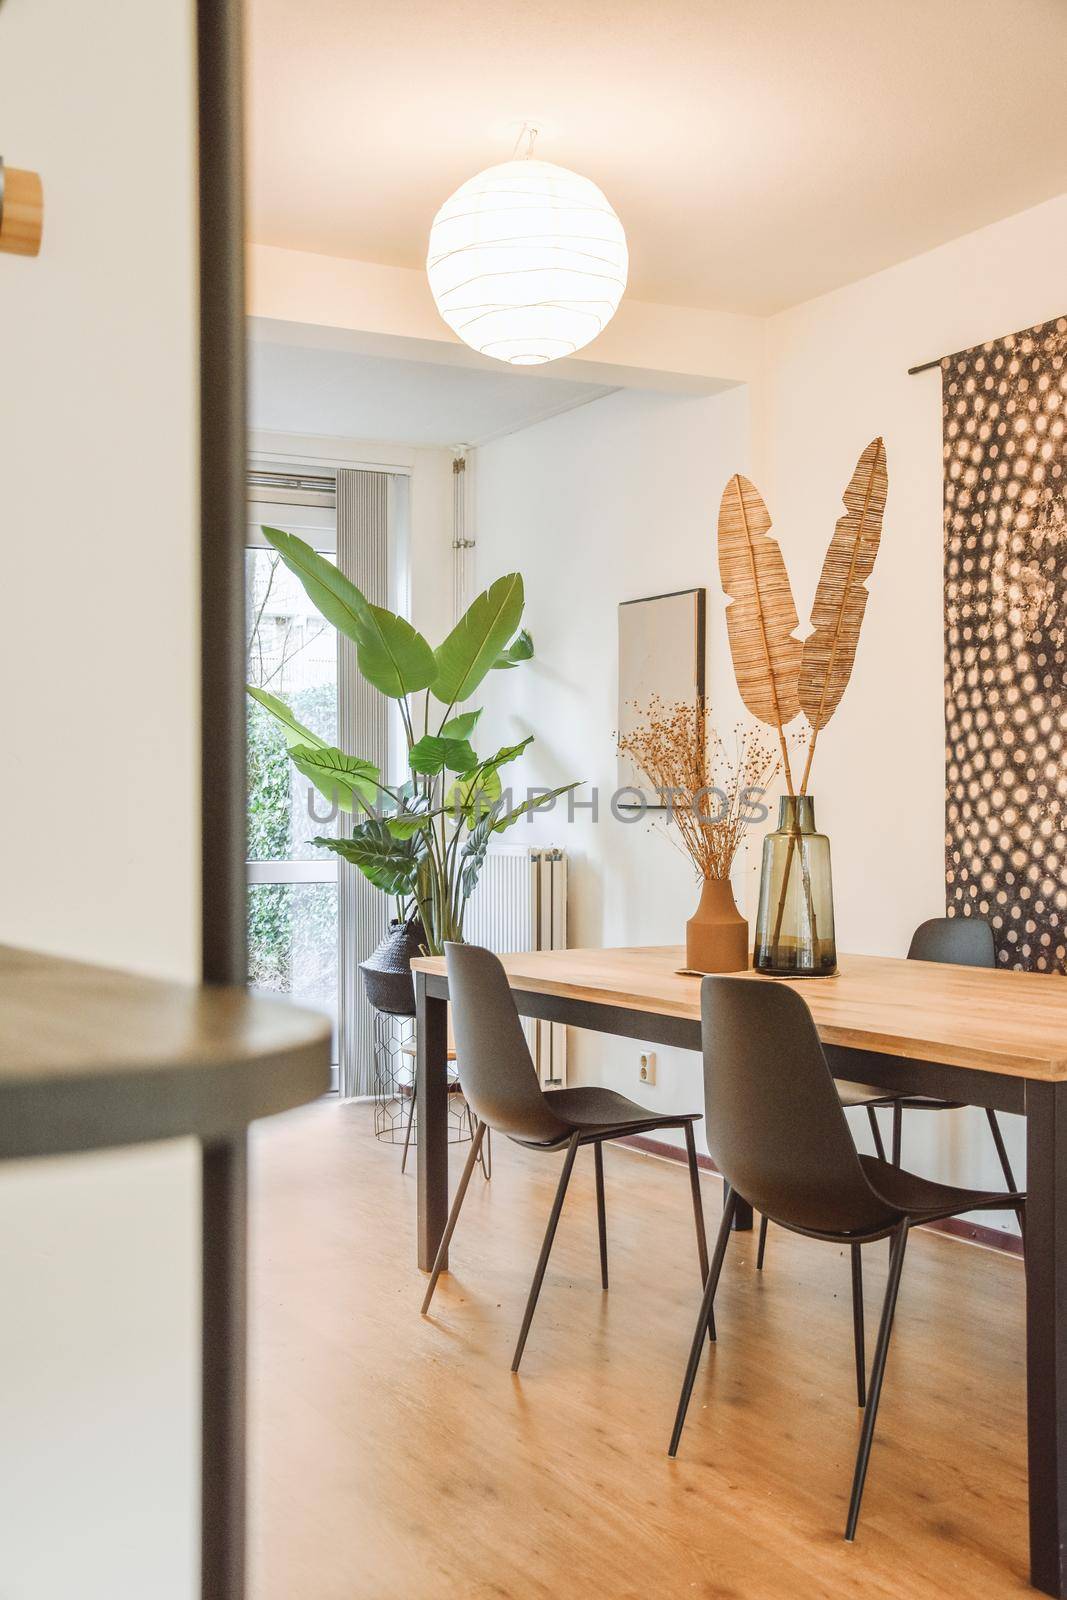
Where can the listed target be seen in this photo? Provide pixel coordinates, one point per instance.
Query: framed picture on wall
(661, 657)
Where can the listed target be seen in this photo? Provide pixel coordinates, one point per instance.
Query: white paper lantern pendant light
(527, 261)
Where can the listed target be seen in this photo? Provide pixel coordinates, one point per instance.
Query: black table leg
(742, 1214)
(224, 1181)
(431, 1101)
(1046, 1332)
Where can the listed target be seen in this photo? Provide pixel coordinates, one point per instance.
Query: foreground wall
(620, 499)
(98, 505)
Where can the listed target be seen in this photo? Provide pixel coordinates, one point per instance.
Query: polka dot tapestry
(1005, 417)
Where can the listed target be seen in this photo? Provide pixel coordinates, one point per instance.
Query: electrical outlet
(647, 1073)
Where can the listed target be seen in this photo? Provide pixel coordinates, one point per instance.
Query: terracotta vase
(716, 935)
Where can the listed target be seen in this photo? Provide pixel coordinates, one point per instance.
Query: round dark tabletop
(92, 1058)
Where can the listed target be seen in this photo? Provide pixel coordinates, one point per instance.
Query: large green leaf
(432, 754)
(510, 752)
(520, 649)
(295, 732)
(409, 823)
(497, 820)
(472, 856)
(479, 789)
(392, 655)
(534, 803)
(412, 816)
(460, 727)
(477, 640)
(345, 780)
(327, 588)
(473, 794)
(402, 797)
(392, 865)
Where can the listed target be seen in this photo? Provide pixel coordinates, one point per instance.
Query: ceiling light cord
(529, 132)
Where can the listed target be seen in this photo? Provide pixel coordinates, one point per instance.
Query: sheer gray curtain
(363, 729)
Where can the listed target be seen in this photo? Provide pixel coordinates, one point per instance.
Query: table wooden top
(1004, 1022)
(92, 1057)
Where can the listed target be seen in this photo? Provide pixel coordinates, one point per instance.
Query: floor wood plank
(396, 1458)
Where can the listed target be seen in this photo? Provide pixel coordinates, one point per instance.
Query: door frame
(223, 434)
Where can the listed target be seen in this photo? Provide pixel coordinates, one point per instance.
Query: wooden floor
(396, 1458)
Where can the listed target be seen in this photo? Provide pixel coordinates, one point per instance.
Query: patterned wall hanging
(1005, 417)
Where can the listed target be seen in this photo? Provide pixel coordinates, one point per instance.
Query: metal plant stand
(395, 1083)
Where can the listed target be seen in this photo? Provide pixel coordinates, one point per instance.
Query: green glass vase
(795, 922)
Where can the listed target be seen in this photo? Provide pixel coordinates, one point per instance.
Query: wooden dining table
(986, 1038)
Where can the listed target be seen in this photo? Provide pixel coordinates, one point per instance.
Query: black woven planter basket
(387, 979)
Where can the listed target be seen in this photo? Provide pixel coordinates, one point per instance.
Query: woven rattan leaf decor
(761, 617)
(841, 598)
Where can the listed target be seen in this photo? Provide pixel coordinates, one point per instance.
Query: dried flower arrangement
(710, 789)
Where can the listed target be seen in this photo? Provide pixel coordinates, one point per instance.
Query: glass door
(292, 653)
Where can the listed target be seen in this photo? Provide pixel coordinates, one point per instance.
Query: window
(293, 653)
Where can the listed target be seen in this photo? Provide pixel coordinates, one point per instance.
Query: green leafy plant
(423, 841)
(272, 907)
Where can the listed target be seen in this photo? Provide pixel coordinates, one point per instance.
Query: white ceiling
(338, 393)
(759, 152)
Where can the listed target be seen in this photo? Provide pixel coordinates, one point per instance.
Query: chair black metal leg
(898, 1129)
(876, 1133)
(486, 1157)
(453, 1217)
(546, 1249)
(998, 1140)
(698, 1213)
(601, 1217)
(698, 1204)
(761, 1247)
(407, 1130)
(857, 1325)
(896, 1263)
(705, 1320)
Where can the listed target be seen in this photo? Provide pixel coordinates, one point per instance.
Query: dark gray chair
(500, 1084)
(961, 942)
(957, 941)
(777, 1132)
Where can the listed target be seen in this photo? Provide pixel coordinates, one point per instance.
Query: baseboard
(1009, 1244)
(669, 1152)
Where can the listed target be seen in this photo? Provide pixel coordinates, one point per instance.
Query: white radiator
(520, 903)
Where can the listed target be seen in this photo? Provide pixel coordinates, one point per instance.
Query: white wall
(98, 1441)
(608, 503)
(620, 499)
(838, 376)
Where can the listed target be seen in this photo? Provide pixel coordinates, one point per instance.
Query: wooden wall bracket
(21, 211)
